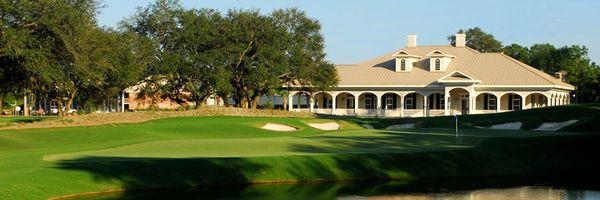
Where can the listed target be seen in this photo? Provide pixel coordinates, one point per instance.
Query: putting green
(330, 143)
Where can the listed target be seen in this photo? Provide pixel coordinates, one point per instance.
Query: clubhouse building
(418, 81)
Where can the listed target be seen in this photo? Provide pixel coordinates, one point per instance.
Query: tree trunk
(25, 106)
(285, 102)
(255, 102)
(59, 106)
(69, 102)
(1, 103)
(244, 102)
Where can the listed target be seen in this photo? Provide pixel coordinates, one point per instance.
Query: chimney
(461, 40)
(411, 41)
(561, 75)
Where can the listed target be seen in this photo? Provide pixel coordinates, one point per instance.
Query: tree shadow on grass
(570, 156)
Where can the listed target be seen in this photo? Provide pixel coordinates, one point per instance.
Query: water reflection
(368, 190)
(519, 193)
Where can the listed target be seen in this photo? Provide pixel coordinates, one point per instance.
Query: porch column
(311, 103)
(425, 106)
(523, 103)
(471, 104)
(498, 103)
(355, 104)
(446, 103)
(401, 106)
(378, 107)
(122, 101)
(333, 104)
(290, 101)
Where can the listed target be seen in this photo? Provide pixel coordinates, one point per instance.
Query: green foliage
(518, 52)
(478, 40)
(574, 60)
(241, 54)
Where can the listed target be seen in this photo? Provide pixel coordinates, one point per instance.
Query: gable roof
(403, 53)
(439, 53)
(492, 69)
(457, 77)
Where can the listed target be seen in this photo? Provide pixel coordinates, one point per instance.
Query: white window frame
(389, 102)
(403, 65)
(409, 103)
(516, 106)
(370, 104)
(492, 103)
(438, 64)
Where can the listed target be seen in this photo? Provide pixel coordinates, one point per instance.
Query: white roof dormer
(405, 61)
(439, 61)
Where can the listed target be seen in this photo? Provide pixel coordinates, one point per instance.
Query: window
(368, 102)
(436, 101)
(126, 95)
(403, 65)
(514, 102)
(437, 64)
(410, 101)
(349, 102)
(489, 102)
(389, 102)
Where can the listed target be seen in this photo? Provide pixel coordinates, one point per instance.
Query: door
(464, 104)
(350, 102)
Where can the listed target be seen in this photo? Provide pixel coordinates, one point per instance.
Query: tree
(517, 52)
(478, 40)
(581, 72)
(241, 55)
(194, 70)
(268, 52)
(52, 45)
(542, 56)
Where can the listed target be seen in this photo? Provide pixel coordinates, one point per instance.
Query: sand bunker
(507, 126)
(554, 126)
(368, 126)
(328, 126)
(401, 126)
(278, 127)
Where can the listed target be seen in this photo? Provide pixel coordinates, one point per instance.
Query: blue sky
(357, 30)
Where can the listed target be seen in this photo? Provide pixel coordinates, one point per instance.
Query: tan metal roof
(494, 69)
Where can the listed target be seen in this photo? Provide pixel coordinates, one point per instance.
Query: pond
(495, 189)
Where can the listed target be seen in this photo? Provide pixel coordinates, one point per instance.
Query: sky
(357, 30)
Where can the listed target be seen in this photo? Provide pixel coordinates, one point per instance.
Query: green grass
(193, 151)
(587, 114)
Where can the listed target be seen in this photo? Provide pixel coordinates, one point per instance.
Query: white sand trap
(328, 126)
(401, 126)
(554, 126)
(368, 126)
(507, 126)
(278, 127)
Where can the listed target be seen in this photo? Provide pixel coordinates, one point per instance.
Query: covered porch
(450, 100)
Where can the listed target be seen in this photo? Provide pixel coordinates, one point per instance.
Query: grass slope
(192, 151)
(587, 114)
